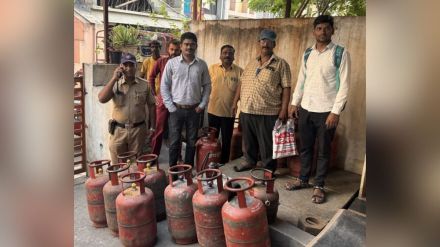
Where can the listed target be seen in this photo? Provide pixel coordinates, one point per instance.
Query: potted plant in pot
(124, 39)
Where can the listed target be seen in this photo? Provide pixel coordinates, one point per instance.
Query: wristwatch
(152, 129)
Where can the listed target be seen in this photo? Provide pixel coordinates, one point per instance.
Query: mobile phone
(120, 73)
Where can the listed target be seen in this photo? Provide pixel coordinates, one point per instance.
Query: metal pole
(288, 8)
(194, 10)
(106, 43)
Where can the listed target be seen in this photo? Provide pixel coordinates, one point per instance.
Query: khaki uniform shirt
(262, 86)
(224, 84)
(130, 101)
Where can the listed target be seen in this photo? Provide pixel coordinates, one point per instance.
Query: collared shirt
(262, 86)
(185, 84)
(224, 85)
(158, 69)
(147, 67)
(129, 101)
(316, 89)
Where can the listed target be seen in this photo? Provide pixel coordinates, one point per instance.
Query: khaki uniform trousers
(127, 139)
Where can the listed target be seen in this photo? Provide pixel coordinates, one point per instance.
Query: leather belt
(129, 125)
(186, 106)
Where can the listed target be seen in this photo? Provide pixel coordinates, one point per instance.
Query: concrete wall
(84, 42)
(97, 114)
(294, 36)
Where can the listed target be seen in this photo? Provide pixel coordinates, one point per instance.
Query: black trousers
(225, 125)
(257, 136)
(311, 126)
(183, 117)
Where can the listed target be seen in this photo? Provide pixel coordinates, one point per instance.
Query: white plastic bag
(283, 136)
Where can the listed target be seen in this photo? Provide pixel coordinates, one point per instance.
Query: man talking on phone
(133, 108)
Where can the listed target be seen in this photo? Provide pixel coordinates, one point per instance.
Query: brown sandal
(243, 166)
(296, 185)
(318, 196)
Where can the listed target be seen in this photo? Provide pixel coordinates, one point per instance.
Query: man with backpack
(319, 97)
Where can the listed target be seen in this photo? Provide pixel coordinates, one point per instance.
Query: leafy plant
(122, 36)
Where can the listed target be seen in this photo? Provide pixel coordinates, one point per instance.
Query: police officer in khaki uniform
(132, 102)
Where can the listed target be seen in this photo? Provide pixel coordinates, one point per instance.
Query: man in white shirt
(319, 97)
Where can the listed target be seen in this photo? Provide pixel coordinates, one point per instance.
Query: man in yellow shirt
(224, 81)
(149, 62)
(264, 96)
(147, 67)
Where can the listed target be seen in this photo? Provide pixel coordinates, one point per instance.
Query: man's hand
(293, 111)
(198, 109)
(119, 71)
(332, 121)
(151, 132)
(234, 109)
(283, 115)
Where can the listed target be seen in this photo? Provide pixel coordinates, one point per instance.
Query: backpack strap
(339, 50)
(306, 55)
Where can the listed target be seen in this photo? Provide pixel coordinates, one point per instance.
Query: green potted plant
(125, 39)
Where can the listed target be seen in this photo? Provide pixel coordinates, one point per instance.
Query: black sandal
(318, 198)
(244, 166)
(296, 185)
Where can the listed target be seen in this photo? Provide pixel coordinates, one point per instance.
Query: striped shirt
(262, 86)
(185, 84)
(316, 89)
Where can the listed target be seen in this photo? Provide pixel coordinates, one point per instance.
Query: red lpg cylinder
(207, 147)
(178, 204)
(236, 148)
(135, 212)
(111, 190)
(95, 197)
(244, 217)
(264, 189)
(155, 180)
(129, 158)
(207, 204)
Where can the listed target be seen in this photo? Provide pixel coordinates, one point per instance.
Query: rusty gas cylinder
(207, 204)
(129, 158)
(95, 197)
(264, 189)
(110, 191)
(155, 180)
(135, 212)
(244, 217)
(236, 142)
(208, 147)
(178, 204)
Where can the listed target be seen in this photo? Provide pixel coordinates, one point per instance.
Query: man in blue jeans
(185, 89)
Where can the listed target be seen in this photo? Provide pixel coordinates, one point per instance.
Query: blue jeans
(183, 117)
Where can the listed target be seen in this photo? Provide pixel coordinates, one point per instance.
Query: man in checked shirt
(264, 97)
(321, 92)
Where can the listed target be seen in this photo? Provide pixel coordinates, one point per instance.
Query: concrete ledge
(346, 229)
(359, 205)
(284, 234)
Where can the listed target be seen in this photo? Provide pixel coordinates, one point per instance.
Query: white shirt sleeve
(299, 88)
